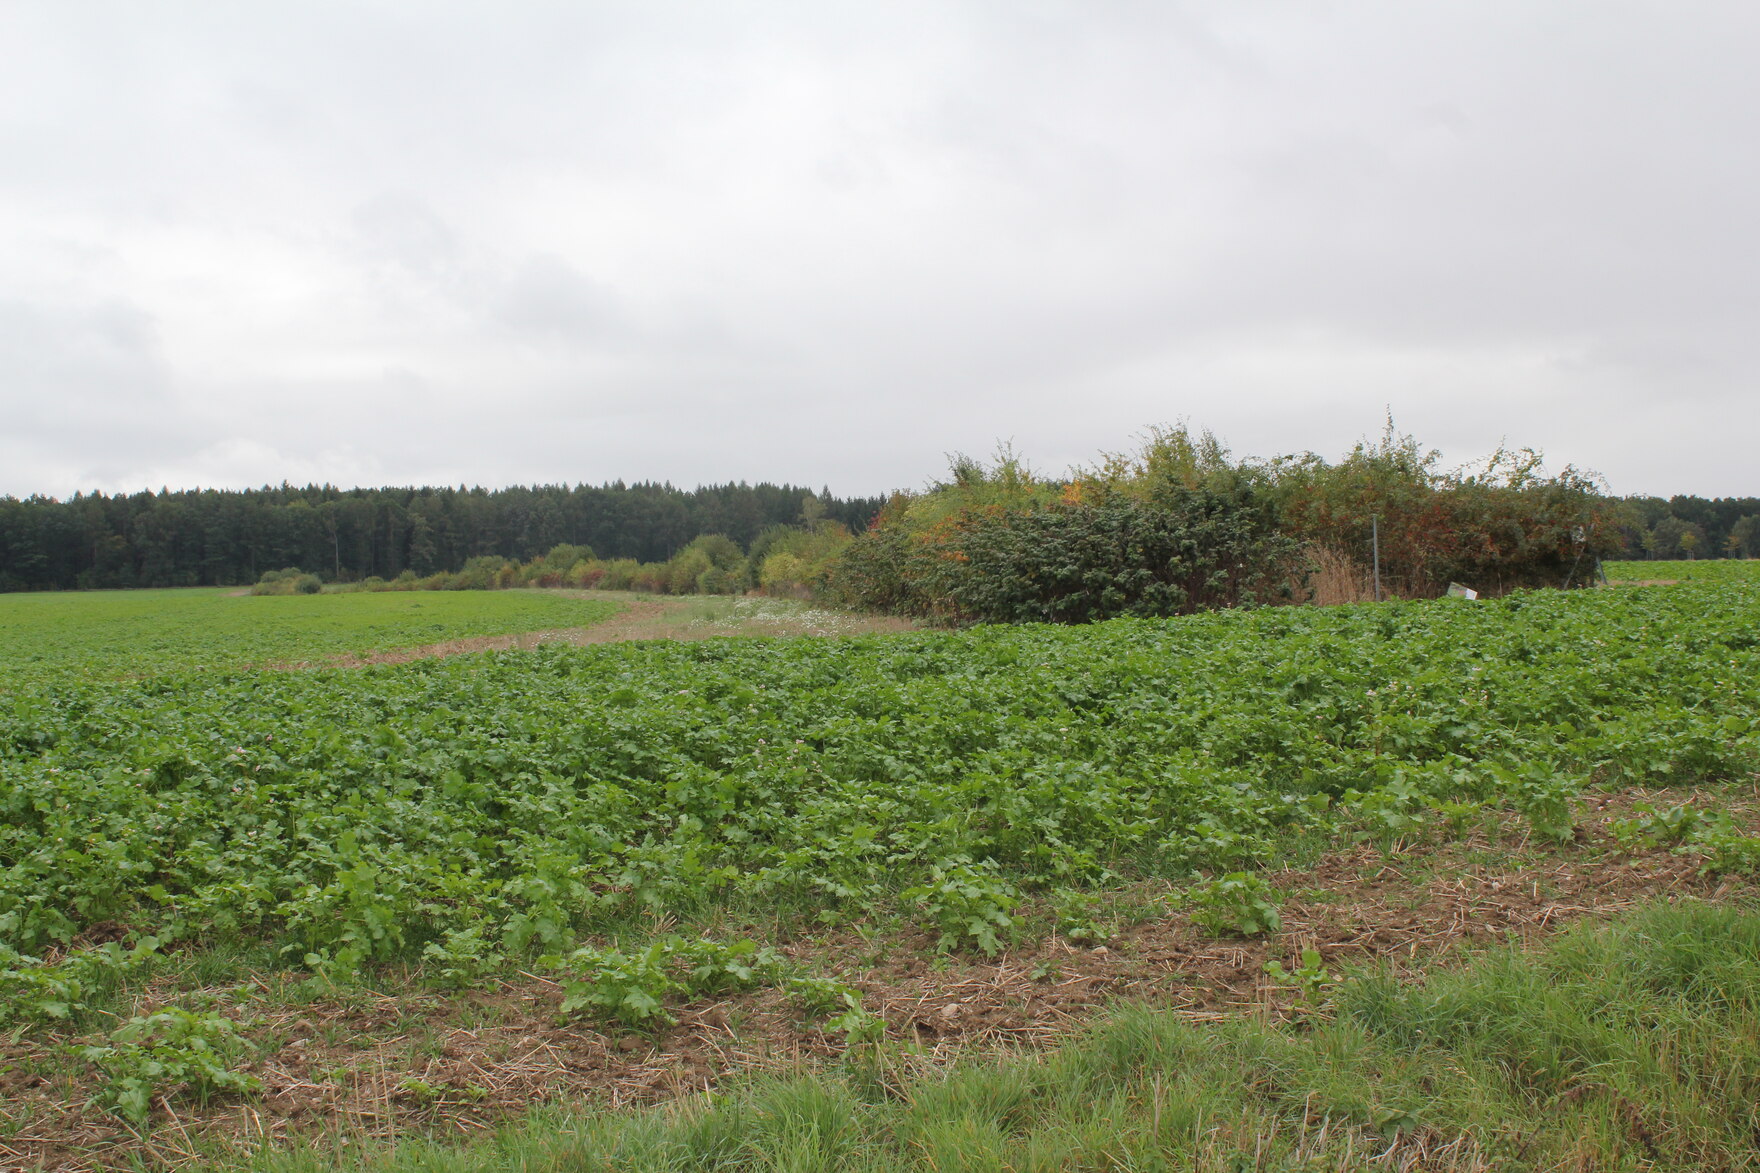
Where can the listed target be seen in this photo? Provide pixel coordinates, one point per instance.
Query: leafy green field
(1702, 570)
(516, 799)
(52, 636)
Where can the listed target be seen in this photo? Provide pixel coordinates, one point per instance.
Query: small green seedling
(1080, 917)
(1310, 980)
(1238, 904)
(1650, 827)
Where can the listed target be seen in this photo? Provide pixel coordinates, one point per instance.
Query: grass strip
(1634, 1045)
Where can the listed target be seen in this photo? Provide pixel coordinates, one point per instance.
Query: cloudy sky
(825, 242)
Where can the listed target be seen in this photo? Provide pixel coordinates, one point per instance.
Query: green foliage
(450, 812)
(1079, 562)
(461, 957)
(1503, 525)
(837, 1005)
(291, 581)
(420, 1091)
(1543, 794)
(1704, 570)
(53, 637)
(1721, 844)
(564, 556)
(797, 561)
(785, 560)
(630, 987)
(968, 902)
(1743, 540)
(999, 545)
(1310, 979)
(1081, 916)
(633, 986)
(205, 537)
(1180, 527)
(1389, 813)
(1239, 904)
(1650, 827)
(33, 992)
(1171, 461)
(160, 1053)
(1726, 849)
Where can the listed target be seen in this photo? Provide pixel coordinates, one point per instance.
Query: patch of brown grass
(1336, 578)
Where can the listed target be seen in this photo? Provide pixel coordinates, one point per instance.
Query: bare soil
(380, 1065)
(643, 617)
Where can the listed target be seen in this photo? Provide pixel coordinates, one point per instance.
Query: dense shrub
(711, 564)
(1178, 526)
(1172, 531)
(1501, 526)
(291, 581)
(1075, 562)
(797, 560)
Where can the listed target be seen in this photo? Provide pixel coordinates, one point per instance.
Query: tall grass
(1632, 1046)
(1335, 577)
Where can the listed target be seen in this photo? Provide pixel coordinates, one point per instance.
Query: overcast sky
(827, 243)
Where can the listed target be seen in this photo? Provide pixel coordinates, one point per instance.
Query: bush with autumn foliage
(1501, 524)
(1178, 526)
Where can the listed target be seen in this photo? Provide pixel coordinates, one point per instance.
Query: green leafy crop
(468, 813)
(634, 986)
(969, 903)
(171, 1050)
(1238, 904)
(1310, 979)
(57, 636)
(1721, 845)
(33, 991)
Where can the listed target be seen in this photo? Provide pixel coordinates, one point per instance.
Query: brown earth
(643, 617)
(376, 1065)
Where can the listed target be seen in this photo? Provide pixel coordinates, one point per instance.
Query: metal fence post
(1375, 545)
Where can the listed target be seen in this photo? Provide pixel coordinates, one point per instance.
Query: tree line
(1691, 527)
(989, 541)
(218, 537)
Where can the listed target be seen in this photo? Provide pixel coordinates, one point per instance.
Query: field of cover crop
(1701, 570)
(357, 815)
(109, 634)
(557, 814)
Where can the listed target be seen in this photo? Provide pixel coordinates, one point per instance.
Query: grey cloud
(95, 363)
(88, 393)
(403, 229)
(830, 242)
(547, 295)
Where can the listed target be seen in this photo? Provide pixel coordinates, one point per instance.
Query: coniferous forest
(210, 537)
